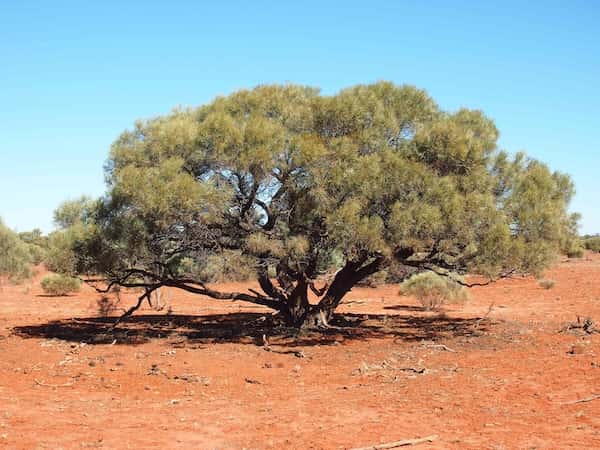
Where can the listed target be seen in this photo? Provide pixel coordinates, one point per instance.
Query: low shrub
(592, 243)
(433, 290)
(15, 257)
(547, 284)
(575, 253)
(60, 285)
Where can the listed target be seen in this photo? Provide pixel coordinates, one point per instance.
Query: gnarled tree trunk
(298, 312)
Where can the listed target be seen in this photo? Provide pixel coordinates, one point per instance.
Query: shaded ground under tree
(248, 327)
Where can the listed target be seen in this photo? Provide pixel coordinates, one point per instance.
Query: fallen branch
(41, 383)
(410, 369)
(584, 400)
(587, 325)
(403, 443)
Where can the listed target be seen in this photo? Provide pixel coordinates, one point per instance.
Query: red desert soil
(196, 374)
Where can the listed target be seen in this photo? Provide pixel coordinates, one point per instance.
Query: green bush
(38, 254)
(15, 257)
(433, 290)
(61, 256)
(37, 244)
(60, 285)
(575, 252)
(592, 243)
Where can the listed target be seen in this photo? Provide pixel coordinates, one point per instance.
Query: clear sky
(73, 75)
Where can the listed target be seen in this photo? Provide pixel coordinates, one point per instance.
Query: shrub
(15, 257)
(60, 285)
(433, 290)
(38, 254)
(60, 257)
(592, 243)
(547, 284)
(575, 253)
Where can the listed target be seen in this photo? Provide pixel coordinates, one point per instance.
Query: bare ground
(198, 375)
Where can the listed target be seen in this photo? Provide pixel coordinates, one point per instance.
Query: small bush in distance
(575, 253)
(15, 258)
(433, 290)
(592, 243)
(547, 284)
(60, 285)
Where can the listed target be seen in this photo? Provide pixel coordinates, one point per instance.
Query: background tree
(37, 243)
(74, 220)
(592, 242)
(15, 255)
(294, 182)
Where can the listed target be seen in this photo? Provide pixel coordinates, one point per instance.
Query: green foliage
(228, 266)
(433, 290)
(15, 255)
(72, 212)
(592, 243)
(66, 248)
(576, 252)
(59, 285)
(60, 256)
(284, 177)
(218, 268)
(37, 244)
(37, 253)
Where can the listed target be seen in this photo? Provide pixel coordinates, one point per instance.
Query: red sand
(199, 377)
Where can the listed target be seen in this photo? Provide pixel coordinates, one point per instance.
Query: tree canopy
(296, 182)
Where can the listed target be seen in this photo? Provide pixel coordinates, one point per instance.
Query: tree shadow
(405, 308)
(251, 328)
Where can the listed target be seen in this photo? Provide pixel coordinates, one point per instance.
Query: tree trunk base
(312, 318)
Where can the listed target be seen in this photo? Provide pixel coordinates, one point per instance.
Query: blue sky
(73, 76)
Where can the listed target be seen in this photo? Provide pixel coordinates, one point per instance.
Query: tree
(74, 220)
(37, 244)
(72, 212)
(295, 180)
(15, 255)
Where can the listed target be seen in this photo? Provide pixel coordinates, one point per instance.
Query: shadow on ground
(249, 328)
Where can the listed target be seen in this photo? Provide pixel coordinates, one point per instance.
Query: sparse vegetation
(433, 290)
(60, 285)
(75, 221)
(592, 243)
(107, 305)
(547, 284)
(575, 253)
(15, 256)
